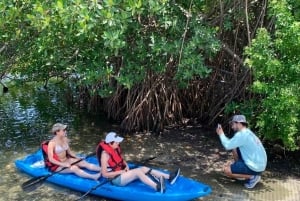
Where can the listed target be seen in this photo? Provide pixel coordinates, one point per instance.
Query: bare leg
(155, 173)
(227, 171)
(85, 164)
(79, 172)
(235, 155)
(89, 166)
(134, 174)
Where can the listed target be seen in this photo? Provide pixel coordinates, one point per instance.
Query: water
(26, 116)
(28, 112)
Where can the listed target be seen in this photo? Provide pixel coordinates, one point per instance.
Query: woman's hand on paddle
(66, 165)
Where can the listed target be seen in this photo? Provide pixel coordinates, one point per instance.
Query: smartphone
(219, 126)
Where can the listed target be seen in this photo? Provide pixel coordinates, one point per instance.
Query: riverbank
(202, 157)
(195, 149)
(207, 142)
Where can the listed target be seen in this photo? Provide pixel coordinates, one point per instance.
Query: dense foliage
(275, 60)
(96, 42)
(110, 49)
(159, 62)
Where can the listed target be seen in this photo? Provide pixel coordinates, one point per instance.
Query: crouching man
(250, 158)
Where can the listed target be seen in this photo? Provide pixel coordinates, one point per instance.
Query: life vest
(52, 167)
(115, 161)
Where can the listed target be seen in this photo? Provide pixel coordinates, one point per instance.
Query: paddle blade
(33, 183)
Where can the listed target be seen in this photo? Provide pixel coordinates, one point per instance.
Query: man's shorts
(239, 167)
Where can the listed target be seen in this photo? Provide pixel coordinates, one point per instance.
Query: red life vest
(115, 161)
(52, 167)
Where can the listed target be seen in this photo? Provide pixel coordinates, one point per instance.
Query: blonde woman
(59, 155)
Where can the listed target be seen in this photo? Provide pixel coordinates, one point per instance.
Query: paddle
(34, 183)
(108, 180)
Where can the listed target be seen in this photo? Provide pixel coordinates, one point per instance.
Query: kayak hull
(183, 189)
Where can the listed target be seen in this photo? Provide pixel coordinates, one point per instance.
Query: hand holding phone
(219, 129)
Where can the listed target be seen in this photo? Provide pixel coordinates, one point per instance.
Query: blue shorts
(116, 181)
(239, 167)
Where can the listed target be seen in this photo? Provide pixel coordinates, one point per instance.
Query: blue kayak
(183, 189)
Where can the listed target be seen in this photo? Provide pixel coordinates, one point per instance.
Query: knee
(227, 170)
(234, 151)
(74, 168)
(144, 169)
(89, 166)
(141, 171)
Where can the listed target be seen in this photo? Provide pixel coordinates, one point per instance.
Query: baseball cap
(239, 118)
(113, 137)
(57, 127)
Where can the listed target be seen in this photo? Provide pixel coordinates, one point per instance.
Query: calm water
(26, 116)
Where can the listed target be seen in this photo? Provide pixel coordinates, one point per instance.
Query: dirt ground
(207, 143)
(199, 153)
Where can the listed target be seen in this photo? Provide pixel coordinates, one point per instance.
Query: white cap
(113, 137)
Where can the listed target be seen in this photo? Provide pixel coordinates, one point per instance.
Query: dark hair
(244, 124)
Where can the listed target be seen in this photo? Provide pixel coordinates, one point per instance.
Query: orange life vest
(115, 161)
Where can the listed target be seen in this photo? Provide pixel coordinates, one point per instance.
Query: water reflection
(27, 114)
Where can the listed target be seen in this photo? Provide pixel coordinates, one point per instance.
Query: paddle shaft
(38, 180)
(94, 188)
(108, 180)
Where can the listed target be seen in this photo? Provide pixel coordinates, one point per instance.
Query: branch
(3, 48)
(188, 15)
(247, 22)
(234, 55)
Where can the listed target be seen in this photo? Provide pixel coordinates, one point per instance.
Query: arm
(125, 163)
(69, 151)
(104, 167)
(232, 143)
(229, 144)
(127, 167)
(51, 147)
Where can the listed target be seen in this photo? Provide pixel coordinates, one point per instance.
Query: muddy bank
(201, 146)
(200, 155)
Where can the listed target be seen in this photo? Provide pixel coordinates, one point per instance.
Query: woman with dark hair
(114, 167)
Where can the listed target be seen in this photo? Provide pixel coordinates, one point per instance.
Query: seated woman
(114, 167)
(59, 155)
